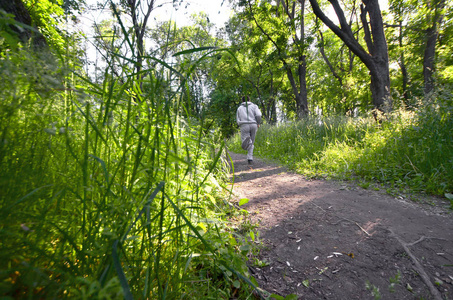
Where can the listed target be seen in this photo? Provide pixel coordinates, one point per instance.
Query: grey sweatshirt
(248, 113)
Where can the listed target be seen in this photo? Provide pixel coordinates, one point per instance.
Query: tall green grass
(409, 149)
(107, 192)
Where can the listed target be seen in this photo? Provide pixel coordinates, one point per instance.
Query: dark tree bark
(302, 95)
(273, 105)
(430, 50)
(376, 59)
(22, 15)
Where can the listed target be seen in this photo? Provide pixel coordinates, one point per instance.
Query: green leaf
(106, 174)
(252, 235)
(211, 198)
(236, 284)
(119, 270)
(306, 283)
(194, 50)
(245, 248)
(28, 195)
(243, 201)
(449, 196)
(409, 288)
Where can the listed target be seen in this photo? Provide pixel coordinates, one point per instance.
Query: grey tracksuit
(248, 117)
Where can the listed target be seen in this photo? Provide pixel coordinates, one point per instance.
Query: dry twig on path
(358, 225)
(434, 291)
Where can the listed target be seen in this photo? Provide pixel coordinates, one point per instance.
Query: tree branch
(344, 34)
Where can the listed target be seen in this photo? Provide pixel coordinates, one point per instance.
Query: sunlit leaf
(243, 201)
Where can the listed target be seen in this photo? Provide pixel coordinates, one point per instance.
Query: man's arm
(257, 115)
(258, 120)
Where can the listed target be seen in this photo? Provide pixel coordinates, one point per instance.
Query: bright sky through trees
(218, 11)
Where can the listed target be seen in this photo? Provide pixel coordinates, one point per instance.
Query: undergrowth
(108, 192)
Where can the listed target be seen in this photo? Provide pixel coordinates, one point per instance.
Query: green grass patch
(107, 192)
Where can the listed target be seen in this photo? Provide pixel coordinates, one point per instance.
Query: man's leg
(253, 129)
(245, 136)
(250, 153)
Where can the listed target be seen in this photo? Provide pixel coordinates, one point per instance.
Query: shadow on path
(334, 240)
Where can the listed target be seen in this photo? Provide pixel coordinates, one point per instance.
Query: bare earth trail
(335, 240)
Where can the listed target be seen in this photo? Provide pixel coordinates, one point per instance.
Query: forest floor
(336, 240)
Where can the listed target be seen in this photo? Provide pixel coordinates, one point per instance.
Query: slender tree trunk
(430, 50)
(327, 61)
(273, 109)
(300, 93)
(402, 64)
(302, 109)
(302, 103)
(139, 32)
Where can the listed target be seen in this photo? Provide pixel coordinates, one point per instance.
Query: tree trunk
(376, 59)
(273, 108)
(302, 102)
(139, 31)
(402, 64)
(300, 94)
(430, 51)
(380, 83)
(377, 47)
(22, 15)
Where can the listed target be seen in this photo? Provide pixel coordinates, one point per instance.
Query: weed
(364, 185)
(373, 289)
(394, 281)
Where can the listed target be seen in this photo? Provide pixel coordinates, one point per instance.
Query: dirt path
(333, 240)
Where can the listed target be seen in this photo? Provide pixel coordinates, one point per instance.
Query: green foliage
(288, 297)
(107, 194)
(46, 16)
(408, 149)
(8, 38)
(221, 110)
(407, 46)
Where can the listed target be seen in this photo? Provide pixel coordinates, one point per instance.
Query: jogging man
(248, 118)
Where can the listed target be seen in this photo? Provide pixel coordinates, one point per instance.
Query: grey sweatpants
(249, 130)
